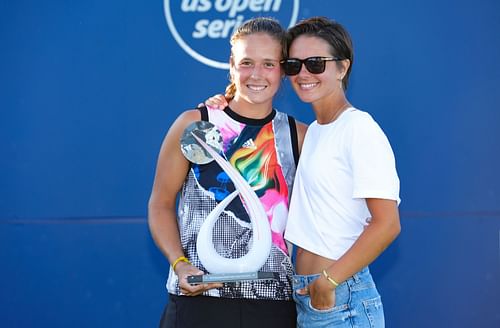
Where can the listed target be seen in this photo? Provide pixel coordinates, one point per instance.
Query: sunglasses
(315, 65)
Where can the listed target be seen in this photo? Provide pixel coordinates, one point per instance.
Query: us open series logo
(202, 28)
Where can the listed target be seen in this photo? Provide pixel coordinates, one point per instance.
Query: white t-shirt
(341, 164)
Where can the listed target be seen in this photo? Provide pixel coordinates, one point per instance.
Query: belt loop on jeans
(357, 276)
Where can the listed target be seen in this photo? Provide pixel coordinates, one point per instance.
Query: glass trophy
(202, 143)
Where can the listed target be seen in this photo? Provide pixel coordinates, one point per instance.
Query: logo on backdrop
(203, 27)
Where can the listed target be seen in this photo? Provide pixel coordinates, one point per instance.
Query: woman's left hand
(321, 292)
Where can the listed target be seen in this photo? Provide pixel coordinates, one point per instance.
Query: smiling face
(318, 89)
(255, 68)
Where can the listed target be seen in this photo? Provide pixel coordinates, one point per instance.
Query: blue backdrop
(89, 88)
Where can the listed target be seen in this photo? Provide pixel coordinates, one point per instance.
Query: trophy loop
(192, 150)
(261, 239)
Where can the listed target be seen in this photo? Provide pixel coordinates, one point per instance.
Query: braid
(230, 91)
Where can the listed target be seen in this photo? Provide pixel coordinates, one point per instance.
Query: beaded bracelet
(330, 279)
(179, 259)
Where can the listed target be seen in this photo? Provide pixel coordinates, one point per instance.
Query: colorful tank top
(265, 152)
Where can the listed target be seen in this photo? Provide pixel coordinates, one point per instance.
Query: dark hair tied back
(331, 32)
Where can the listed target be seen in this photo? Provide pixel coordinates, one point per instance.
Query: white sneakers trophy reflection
(201, 143)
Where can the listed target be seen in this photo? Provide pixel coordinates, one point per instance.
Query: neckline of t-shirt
(347, 110)
(247, 120)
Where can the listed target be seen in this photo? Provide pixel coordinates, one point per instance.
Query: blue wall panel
(89, 88)
(80, 273)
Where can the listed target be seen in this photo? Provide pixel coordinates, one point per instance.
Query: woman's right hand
(183, 270)
(321, 293)
(216, 102)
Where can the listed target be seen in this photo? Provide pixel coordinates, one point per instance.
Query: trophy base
(231, 277)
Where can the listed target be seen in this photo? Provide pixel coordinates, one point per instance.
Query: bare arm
(377, 236)
(384, 227)
(171, 171)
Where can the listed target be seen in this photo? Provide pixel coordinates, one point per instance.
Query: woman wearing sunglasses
(343, 211)
(344, 206)
(263, 145)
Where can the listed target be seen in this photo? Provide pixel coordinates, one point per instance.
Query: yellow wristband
(179, 259)
(330, 279)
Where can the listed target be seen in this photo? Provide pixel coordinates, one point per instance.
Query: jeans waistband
(363, 276)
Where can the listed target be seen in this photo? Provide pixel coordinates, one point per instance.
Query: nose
(257, 71)
(303, 69)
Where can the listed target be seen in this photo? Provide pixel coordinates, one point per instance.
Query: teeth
(307, 86)
(256, 87)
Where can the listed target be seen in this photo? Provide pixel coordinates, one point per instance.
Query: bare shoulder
(172, 167)
(170, 145)
(187, 117)
(183, 120)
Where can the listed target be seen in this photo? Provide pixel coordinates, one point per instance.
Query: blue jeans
(357, 304)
